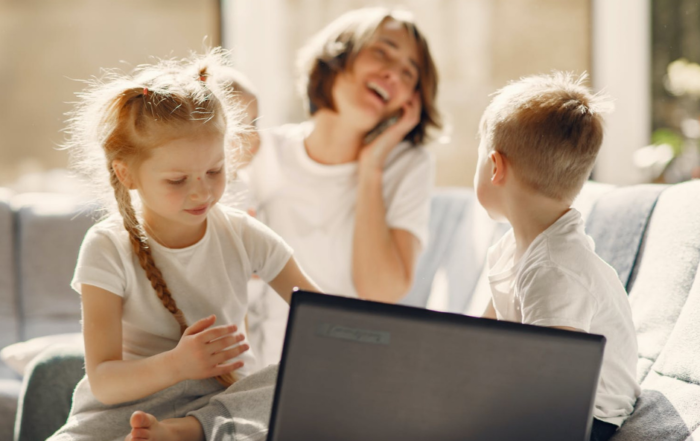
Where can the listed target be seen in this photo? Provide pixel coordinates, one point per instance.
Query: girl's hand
(374, 154)
(202, 350)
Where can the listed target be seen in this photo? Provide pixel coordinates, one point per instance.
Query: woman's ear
(122, 172)
(498, 168)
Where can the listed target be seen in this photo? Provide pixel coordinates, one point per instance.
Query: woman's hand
(374, 154)
(202, 350)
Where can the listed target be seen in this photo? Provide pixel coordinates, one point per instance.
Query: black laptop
(355, 370)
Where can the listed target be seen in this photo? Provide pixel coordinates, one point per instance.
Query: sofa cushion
(51, 228)
(665, 303)
(618, 223)
(667, 269)
(9, 393)
(8, 300)
(47, 392)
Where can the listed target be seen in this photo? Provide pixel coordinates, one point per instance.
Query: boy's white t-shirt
(312, 206)
(209, 277)
(560, 281)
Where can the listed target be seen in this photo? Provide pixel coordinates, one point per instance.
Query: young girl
(164, 291)
(351, 199)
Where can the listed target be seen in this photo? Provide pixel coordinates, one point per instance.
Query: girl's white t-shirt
(209, 277)
(561, 281)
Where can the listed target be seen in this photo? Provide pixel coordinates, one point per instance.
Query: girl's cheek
(175, 194)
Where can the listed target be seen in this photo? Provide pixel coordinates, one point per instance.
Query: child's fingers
(225, 342)
(228, 354)
(200, 325)
(227, 368)
(217, 332)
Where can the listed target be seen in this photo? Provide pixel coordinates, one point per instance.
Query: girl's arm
(113, 380)
(292, 276)
(383, 259)
(490, 312)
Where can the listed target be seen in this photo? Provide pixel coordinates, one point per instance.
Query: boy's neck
(332, 140)
(530, 214)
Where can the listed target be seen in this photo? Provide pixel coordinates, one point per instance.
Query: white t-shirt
(312, 206)
(560, 281)
(209, 277)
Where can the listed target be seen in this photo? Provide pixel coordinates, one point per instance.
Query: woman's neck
(332, 140)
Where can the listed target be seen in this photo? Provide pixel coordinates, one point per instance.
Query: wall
(47, 46)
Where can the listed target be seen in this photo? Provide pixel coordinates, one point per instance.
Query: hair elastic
(145, 91)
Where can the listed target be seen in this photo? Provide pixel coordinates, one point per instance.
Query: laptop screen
(357, 370)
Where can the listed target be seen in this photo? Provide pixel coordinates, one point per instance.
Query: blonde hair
(214, 68)
(550, 128)
(334, 49)
(122, 117)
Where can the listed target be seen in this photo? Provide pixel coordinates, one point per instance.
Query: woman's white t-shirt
(312, 206)
(561, 282)
(209, 277)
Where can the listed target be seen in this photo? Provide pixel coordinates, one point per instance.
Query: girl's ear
(122, 171)
(498, 168)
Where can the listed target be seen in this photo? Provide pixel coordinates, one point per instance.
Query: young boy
(539, 141)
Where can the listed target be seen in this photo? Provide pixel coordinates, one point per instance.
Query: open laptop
(354, 370)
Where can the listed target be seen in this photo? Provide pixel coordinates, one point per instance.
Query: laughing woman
(349, 189)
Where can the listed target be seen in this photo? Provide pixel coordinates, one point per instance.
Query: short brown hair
(550, 128)
(333, 50)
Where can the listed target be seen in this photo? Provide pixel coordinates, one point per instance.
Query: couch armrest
(47, 392)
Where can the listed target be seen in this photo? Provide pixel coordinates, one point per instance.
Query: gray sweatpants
(241, 412)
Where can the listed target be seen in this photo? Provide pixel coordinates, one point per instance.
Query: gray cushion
(665, 303)
(48, 392)
(9, 391)
(51, 228)
(8, 300)
(618, 223)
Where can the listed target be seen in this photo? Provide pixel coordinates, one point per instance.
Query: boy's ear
(122, 172)
(498, 168)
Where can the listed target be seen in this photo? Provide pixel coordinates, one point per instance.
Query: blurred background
(642, 52)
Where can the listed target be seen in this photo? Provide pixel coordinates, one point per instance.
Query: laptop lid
(355, 370)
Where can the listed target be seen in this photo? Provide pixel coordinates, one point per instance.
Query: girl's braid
(143, 252)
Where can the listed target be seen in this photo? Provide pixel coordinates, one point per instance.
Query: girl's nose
(201, 189)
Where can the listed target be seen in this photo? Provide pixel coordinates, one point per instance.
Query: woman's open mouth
(379, 91)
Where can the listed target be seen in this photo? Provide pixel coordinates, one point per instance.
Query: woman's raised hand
(373, 155)
(203, 350)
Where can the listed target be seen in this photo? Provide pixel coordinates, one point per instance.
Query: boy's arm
(490, 313)
(114, 380)
(292, 276)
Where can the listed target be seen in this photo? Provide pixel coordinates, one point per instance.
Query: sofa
(40, 234)
(649, 233)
